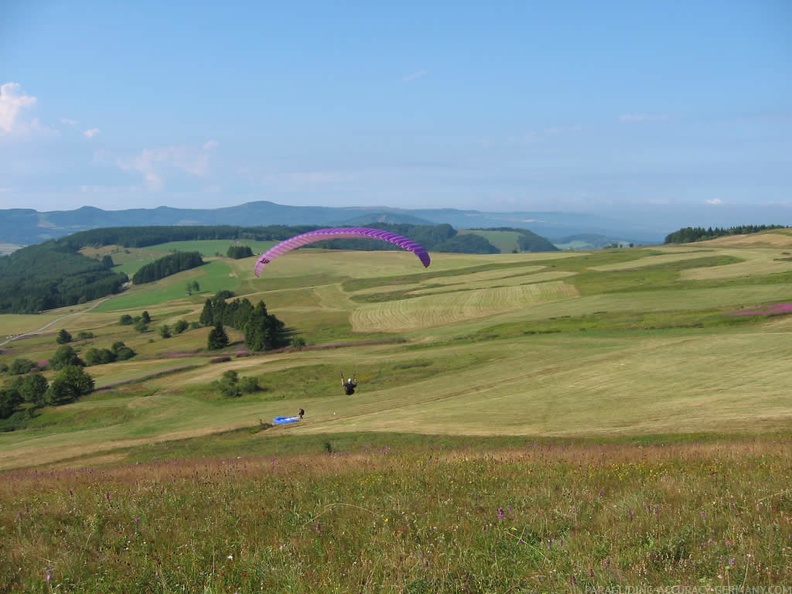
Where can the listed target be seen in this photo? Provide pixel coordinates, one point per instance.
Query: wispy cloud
(91, 133)
(414, 76)
(153, 163)
(637, 118)
(14, 104)
(96, 189)
(715, 201)
(69, 122)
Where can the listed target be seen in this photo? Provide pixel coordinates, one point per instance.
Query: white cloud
(12, 102)
(155, 162)
(636, 118)
(69, 122)
(414, 75)
(91, 133)
(715, 201)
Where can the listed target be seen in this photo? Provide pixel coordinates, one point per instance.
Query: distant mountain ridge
(21, 226)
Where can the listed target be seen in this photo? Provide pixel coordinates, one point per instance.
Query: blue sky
(634, 106)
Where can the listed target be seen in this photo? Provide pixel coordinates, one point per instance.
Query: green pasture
(214, 276)
(621, 342)
(505, 241)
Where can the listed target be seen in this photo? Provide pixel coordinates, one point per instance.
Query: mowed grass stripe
(438, 310)
(756, 262)
(581, 386)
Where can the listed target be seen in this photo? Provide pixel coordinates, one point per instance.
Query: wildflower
(501, 513)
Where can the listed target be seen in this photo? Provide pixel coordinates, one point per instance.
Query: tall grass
(544, 517)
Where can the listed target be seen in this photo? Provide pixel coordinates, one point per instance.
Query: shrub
(99, 356)
(21, 366)
(249, 385)
(71, 383)
(65, 356)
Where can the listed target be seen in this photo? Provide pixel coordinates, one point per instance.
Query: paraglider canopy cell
(343, 233)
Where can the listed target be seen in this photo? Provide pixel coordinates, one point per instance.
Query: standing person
(301, 412)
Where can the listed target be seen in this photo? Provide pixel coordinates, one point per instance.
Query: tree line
(166, 266)
(263, 331)
(692, 234)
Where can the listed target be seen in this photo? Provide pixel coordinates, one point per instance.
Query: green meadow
(551, 422)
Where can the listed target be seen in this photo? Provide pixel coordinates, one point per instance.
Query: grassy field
(524, 422)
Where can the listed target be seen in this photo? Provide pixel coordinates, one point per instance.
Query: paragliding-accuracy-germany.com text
(680, 589)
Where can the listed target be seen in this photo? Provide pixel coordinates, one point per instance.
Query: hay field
(755, 261)
(449, 308)
(474, 345)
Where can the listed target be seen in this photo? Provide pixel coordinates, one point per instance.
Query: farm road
(52, 323)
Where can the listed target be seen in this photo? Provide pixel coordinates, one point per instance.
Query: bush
(21, 366)
(71, 383)
(249, 385)
(65, 356)
(124, 353)
(63, 337)
(229, 384)
(99, 356)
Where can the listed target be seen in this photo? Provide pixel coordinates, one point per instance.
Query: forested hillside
(691, 234)
(51, 275)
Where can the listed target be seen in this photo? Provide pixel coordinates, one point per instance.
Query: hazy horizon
(657, 114)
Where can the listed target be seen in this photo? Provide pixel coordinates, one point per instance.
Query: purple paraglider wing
(341, 232)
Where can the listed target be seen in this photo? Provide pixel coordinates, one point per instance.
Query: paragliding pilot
(349, 384)
(301, 412)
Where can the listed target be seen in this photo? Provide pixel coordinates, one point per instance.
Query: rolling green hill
(612, 342)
